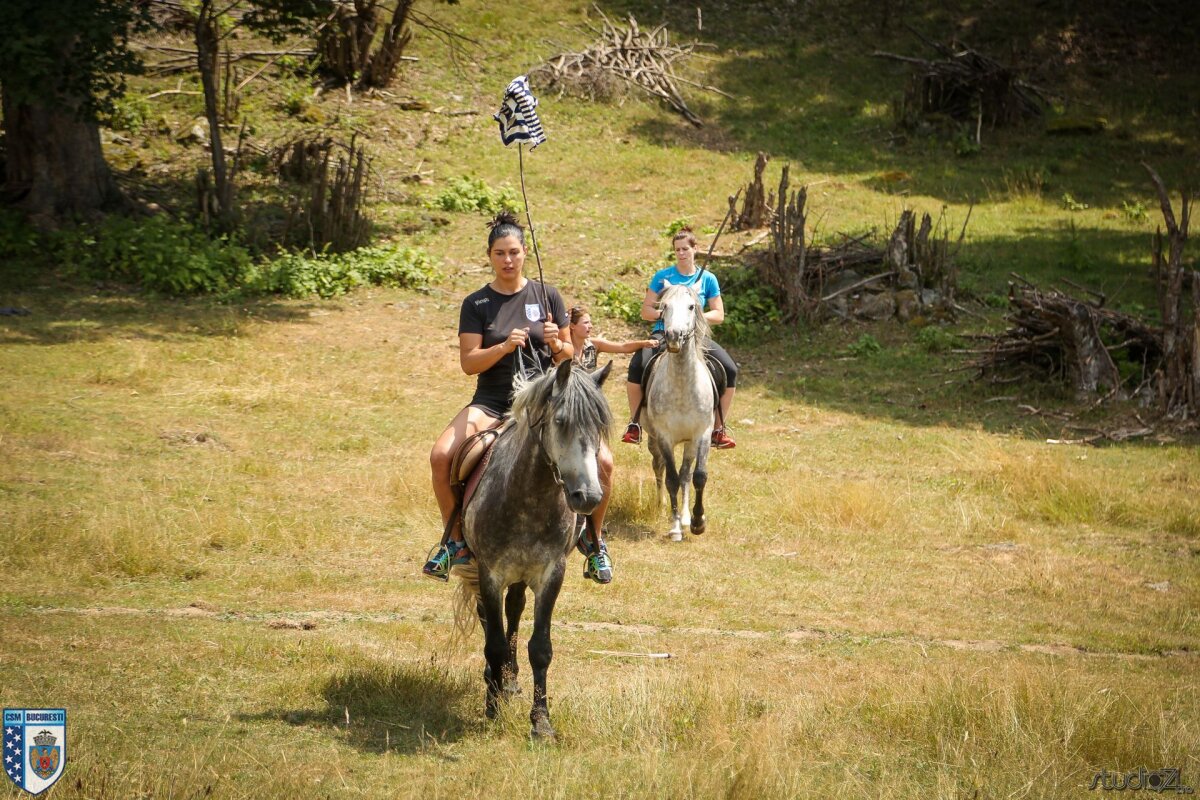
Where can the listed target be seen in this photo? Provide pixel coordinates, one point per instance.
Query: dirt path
(311, 620)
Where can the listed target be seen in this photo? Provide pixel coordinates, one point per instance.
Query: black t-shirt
(494, 315)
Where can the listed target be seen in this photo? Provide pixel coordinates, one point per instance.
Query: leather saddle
(720, 379)
(470, 460)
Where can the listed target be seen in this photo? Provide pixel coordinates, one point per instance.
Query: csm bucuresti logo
(35, 746)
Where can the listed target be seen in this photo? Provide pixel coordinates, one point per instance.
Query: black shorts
(491, 403)
(637, 364)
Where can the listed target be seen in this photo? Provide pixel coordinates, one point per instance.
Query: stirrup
(443, 557)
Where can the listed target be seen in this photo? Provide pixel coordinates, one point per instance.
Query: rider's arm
(605, 346)
(650, 311)
(475, 358)
(716, 311)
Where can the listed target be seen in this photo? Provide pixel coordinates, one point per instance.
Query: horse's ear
(564, 372)
(602, 375)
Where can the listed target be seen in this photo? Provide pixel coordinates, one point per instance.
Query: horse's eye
(560, 419)
(692, 307)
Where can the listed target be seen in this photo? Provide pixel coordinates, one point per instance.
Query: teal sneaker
(598, 566)
(450, 554)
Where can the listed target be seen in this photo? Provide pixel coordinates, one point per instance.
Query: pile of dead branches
(1053, 335)
(626, 55)
(329, 213)
(967, 86)
(1094, 349)
(912, 274)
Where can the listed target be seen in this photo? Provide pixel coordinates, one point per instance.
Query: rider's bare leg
(466, 423)
(726, 402)
(604, 461)
(634, 392)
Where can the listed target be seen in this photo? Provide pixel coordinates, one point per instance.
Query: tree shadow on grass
(66, 317)
(409, 708)
(921, 381)
(807, 90)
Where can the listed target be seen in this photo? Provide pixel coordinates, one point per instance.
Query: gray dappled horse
(679, 407)
(520, 522)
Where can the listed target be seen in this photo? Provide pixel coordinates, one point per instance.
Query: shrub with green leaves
(866, 346)
(332, 274)
(937, 340)
(752, 309)
(159, 253)
(622, 301)
(473, 194)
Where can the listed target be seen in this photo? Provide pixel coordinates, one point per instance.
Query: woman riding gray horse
(499, 325)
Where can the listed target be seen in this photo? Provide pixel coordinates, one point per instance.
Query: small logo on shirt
(533, 312)
(482, 300)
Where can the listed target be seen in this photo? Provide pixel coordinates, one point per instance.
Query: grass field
(214, 513)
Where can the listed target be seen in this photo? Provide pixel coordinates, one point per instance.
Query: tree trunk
(207, 52)
(54, 166)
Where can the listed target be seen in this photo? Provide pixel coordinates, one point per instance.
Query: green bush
(129, 113)
(159, 253)
(472, 194)
(866, 346)
(752, 310)
(332, 274)
(751, 314)
(622, 301)
(675, 226)
(937, 340)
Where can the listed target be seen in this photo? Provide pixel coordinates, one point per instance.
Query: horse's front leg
(685, 483)
(514, 607)
(672, 478)
(495, 648)
(699, 479)
(541, 651)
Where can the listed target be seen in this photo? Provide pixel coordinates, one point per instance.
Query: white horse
(679, 407)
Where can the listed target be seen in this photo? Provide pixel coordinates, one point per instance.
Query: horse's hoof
(698, 527)
(543, 731)
(489, 710)
(675, 536)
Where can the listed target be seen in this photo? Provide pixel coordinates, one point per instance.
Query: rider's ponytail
(505, 224)
(685, 233)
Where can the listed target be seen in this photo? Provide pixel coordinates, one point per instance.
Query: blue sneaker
(450, 554)
(598, 566)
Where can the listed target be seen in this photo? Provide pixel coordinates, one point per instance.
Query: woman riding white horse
(708, 290)
(680, 392)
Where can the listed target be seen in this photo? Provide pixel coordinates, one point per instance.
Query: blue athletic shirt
(707, 288)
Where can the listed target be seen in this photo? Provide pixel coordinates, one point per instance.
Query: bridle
(539, 431)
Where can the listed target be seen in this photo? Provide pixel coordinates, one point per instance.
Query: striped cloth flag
(517, 115)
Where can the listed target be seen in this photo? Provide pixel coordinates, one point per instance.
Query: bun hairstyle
(577, 313)
(685, 233)
(505, 224)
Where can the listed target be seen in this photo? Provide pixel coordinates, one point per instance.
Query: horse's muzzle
(583, 501)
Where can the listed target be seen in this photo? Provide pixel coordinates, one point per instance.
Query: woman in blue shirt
(709, 290)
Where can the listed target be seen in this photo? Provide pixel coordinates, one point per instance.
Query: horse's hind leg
(699, 480)
(514, 607)
(541, 652)
(660, 469)
(495, 648)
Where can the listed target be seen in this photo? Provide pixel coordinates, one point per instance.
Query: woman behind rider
(587, 350)
(498, 325)
(708, 289)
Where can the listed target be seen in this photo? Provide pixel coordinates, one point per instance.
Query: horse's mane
(581, 400)
(703, 329)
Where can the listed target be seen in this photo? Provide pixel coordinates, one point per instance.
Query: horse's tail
(466, 602)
